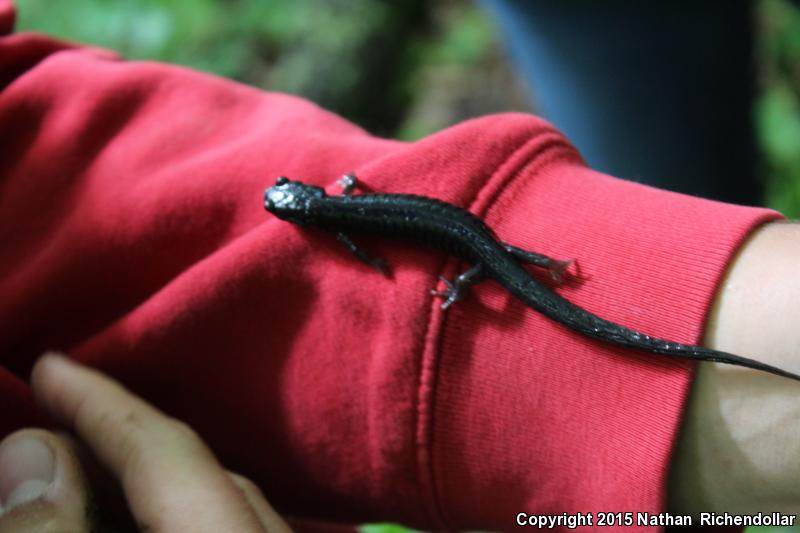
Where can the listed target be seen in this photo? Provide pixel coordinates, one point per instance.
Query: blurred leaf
(778, 122)
(386, 528)
(467, 38)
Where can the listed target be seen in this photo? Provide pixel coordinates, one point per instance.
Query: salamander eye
(282, 180)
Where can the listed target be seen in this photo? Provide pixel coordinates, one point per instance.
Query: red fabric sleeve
(133, 236)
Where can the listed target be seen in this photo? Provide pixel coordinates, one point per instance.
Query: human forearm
(739, 449)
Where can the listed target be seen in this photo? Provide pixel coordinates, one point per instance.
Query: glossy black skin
(458, 232)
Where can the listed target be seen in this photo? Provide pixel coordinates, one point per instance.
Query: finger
(270, 520)
(42, 487)
(171, 480)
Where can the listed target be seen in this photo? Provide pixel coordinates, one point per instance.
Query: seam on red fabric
(541, 149)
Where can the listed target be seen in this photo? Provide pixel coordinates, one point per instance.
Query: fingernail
(52, 354)
(27, 468)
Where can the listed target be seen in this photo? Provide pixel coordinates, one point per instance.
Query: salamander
(456, 231)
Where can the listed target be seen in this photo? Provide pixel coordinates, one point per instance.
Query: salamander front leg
(348, 183)
(376, 263)
(555, 267)
(456, 290)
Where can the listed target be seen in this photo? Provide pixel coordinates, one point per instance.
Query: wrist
(738, 450)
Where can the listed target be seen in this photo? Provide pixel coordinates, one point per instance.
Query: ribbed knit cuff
(528, 416)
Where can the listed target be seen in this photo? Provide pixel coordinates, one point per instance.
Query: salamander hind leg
(555, 267)
(376, 263)
(456, 290)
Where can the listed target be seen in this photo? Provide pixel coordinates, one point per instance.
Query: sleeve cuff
(530, 415)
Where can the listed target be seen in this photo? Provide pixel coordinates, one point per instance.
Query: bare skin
(739, 449)
(170, 479)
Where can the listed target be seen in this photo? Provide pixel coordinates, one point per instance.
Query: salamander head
(290, 200)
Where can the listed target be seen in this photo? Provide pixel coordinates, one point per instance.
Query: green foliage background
(777, 109)
(401, 69)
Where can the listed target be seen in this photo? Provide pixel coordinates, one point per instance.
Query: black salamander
(449, 228)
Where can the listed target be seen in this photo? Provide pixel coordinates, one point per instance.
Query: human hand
(170, 479)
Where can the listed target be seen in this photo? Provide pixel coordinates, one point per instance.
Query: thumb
(42, 486)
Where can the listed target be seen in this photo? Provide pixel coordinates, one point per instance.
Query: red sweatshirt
(133, 236)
